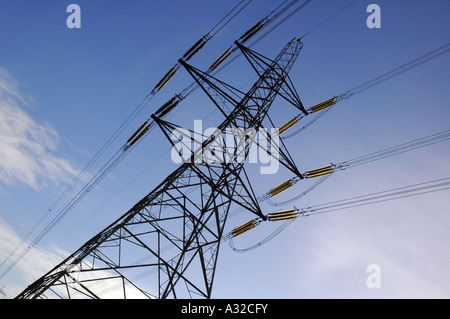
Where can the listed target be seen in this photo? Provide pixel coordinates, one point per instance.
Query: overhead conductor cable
(325, 106)
(193, 50)
(141, 132)
(377, 83)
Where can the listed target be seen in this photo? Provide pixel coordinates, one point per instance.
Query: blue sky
(63, 92)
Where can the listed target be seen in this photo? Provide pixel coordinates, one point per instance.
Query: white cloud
(33, 265)
(409, 246)
(27, 148)
(29, 155)
(39, 260)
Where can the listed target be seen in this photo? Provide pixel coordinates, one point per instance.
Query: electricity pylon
(166, 246)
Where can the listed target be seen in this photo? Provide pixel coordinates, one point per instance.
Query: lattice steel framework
(166, 246)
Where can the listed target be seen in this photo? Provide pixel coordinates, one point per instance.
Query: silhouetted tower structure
(166, 246)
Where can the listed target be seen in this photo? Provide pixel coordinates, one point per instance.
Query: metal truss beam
(166, 245)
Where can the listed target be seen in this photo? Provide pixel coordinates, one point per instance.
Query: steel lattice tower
(166, 246)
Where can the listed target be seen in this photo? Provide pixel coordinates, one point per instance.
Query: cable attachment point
(280, 188)
(323, 105)
(245, 227)
(283, 215)
(326, 170)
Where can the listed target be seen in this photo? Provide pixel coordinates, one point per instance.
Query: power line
(372, 198)
(395, 150)
(327, 105)
(360, 160)
(378, 197)
(362, 200)
(368, 158)
(328, 19)
(397, 71)
(120, 154)
(117, 157)
(412, 190)
(391, 151)
(190, 210)
(115, 160)
(231, 53)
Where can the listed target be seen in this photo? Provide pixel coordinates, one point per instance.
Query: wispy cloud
(31, 267)
(409, 258)
(40, 260)
(28, 149)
